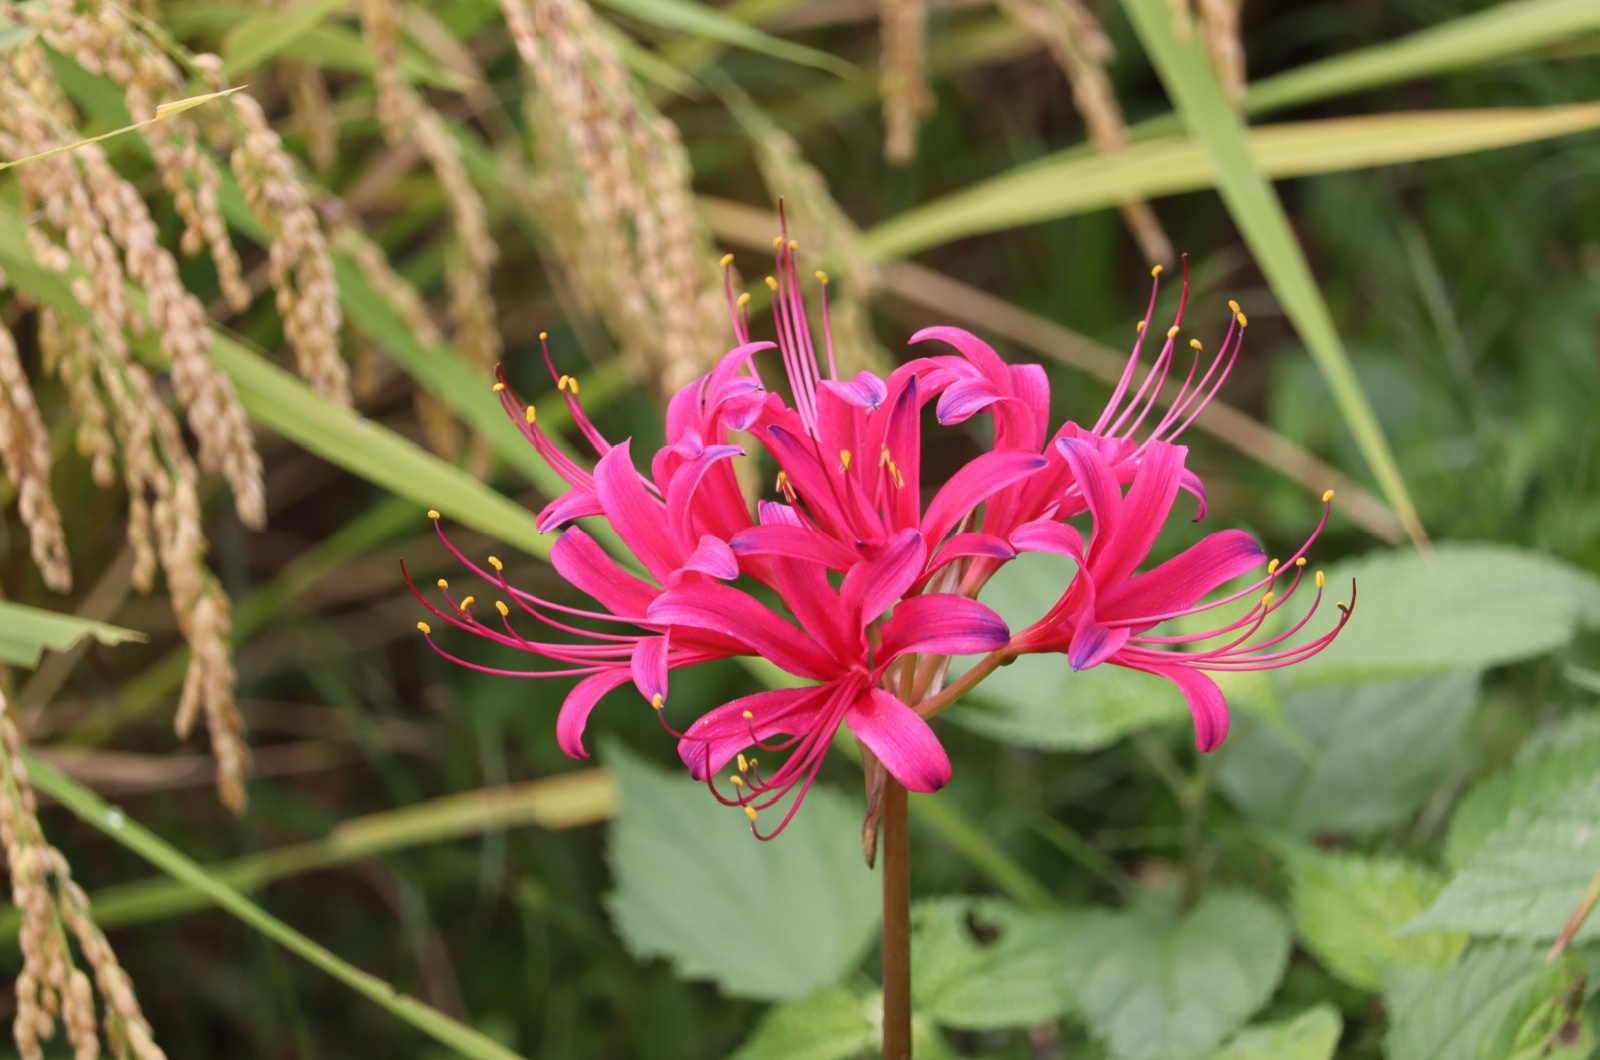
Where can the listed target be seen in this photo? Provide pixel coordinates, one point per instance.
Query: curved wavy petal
(969, 487)
(1092, 644)
(721, 733)
(1185, 579)
(575, 709)
(1206, 702)
(574, 504)
(871, 586)
(942, 624)
(902, 740)
(865, 391)
(638, 518)
(1047, 535)
(738, 615)
(795, 542)
(582, 562)
(713, 557)
(649, 667)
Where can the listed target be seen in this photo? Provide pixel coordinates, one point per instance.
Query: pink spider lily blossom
(1106, 613)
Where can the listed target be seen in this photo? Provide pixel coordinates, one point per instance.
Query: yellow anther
(1301, 562)
(656, 700)
(561, 384)
(1322, 579)
(744, 299)
(1156, 270)
(500, 606)
(794, 245)
(1172, 332)
(748, 716)
(1343, 607)
(844, 460)
(744, 766)
(499, 387)
(736, 780)
(1326, 497)
(544, 335)
(494, 561)
(752, 763)
(822, 277)
(1139, 327)
(772, 284)
(750, 812)
(1272, 568)
(443, 584)
(1266, 601)
(1240, 317)
(466, 602)
(574, 381)
(727, 259)
(894, 470)
(433, 513)
(777, 241)
(532, 414)
(1233, 305)
(424, 627)
(1194, 344)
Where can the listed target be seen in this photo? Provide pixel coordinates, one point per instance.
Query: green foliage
(1498, 1002)
(830, 1024)
(1517, 792)
(26, 633)
(762, 920)
(982, 963)
(1350, 758)
(1312, 1035)
(1152, 984)
(1348, 911)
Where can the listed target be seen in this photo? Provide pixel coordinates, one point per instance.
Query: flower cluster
(876, 575)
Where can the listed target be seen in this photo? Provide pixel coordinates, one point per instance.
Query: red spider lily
(1107, 611)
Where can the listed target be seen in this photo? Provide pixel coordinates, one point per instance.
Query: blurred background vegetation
(419, 189)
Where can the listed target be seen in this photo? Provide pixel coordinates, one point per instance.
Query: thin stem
(964, 684)
(896, 923)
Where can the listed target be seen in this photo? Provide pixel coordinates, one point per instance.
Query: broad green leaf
(1530, 873)
(704, 20)
(1252, 201)
(1153, 986)
(831, 1024)
(1487, 1006)
(1347, 909)
(118, 827)
(1516, 792)
(770, 920)
(1077, 181)
(1353, 758)
(1470, 40)
(261, 38)
(26, 632)
(1312, 1035)
(981, 963)
(1460, 606)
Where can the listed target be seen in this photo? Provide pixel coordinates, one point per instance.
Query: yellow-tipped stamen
(822, 277)
(1326, 497)
(844, 460)
(1322, 579)
(1233, 305)
(656, 700)
(1272, 568)
(1139, 327)
(466, 602)
(443, 584)
(1301, 562)
(1194, 344)
(1266, 601)
(1157, 270)
(1343, 607)
(750, 812)
(500, 606)
(772, 284)
(777, 241)
(499, 387)
(744, 299)
(433, 513)
(794, 245)
(544, 336)
(744, 766)
(1172, 332)
(494, 561)
(749, 716)
(532, 414)
(1243, 322)
(727, 259)
(736, 780)
(426, 629)
(899, 480)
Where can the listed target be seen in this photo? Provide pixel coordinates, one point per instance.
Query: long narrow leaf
(703, 20)
(88, 807)
(1253, 202)
(27, 632)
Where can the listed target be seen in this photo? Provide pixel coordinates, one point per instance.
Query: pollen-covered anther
(1342, 606)
(443, 584)
(822, 277)
(772, 284)
(794, 245)
(1272, 568)
(744, 299)
(749, 716)
(656, 700)
(744, 764)
(727, 259)
(1266, 601)
(426, 629)
(500, 606)
(1194, 344)
(1139, 327)
(499, 387)
(750, 812)
(544, 336)
(844, 460)
(532, 414)
(466, 602)
(433, 513)
(494, 561)
(1322, 579)
(567, 382)
(1156, 270)
(736, 780)
(1326, 497)
(1233, 305)
(1242, 319)
(777, 241)
(1172, 332)
(1301, 562)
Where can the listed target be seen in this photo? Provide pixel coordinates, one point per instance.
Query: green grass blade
(162, 112)
(1255, 207)
(89, 808)
(1077, 181)
(26, 632)
(262, 38)
(1478, 39)
(703, 20)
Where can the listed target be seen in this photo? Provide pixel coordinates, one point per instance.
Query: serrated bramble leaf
(1312, 1035)
(1489, 805)
(830, 1024)
(763, 920)
(1347, 909)
(1355, 758)
(1153, 985)
(980, 963)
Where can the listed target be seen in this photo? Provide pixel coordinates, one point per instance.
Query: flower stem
(896, 923)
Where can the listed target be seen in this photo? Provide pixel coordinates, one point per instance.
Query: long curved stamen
(1163, 359)
(1133, 359)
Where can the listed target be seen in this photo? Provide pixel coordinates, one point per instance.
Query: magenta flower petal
(865, 391)
(964, 546)
(974, 349)
(902, 740)
(870, 587)
(943, 624)
(1144, 513)
(1047, 535)
(723, 732)
(794, 542)
(1206, 703)
(649, 668)
(576, 707)
(582, 562)
(1101, 492)
(966, 399)
(713, 557)
(969, 487)
(720, 609)
(639, 519)
(1184, 579)
(571, 505)
(1092, 644)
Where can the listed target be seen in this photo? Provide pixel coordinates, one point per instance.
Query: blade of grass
(703, 20)
(261, 38)
(90, 809)
(1077, 181)
(25, 633)
(164, 111)
(1253, 203)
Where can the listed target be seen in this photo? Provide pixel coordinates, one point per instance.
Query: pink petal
(1101, 493)
(962, 546)
(713, 557)
(965, 399)
(794, 542)
(1185, 579)
(901, 739)
(583, 563)
(942, 624)
(1206, 703)
(638, 518)
(974, 349)
(682, 496)
(1191, 483)
(576, 707)
(1047, 535)
(866, 391)
(1032, 388)
(1144, 513)
(972, 485)
(649, 667)
(573, 504)
(902, 440)
(1092, 643)
(721, 733)
(720, 609)
(870, 587)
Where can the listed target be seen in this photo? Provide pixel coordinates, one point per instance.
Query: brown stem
(985, 666)
(896, 923)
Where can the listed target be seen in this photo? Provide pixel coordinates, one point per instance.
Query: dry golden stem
(1219, 27)
(903, 82)
(25, 453)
